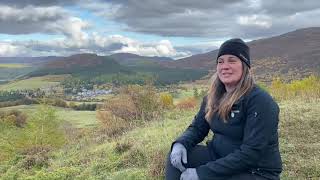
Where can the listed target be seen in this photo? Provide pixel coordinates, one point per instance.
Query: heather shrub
(35, 157)
(14, 117)
(187, 103)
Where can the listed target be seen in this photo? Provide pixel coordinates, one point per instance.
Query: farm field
(78, 119)
(13, 65)
(33, 83)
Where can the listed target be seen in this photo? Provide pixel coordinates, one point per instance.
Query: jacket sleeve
(261, 123)
(197, 131)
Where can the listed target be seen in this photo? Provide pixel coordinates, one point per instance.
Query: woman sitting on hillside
(244, 120)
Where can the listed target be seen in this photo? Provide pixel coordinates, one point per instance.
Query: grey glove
(178, 155)
(189, 174)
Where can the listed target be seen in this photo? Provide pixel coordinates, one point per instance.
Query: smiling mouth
(226, 74)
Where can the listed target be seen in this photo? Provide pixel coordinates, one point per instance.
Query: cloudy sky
(171, 28)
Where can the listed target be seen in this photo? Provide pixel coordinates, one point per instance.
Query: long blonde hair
(219, 101)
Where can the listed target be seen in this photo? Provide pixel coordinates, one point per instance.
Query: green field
(7, 65)
(33, 83)
(78, 119)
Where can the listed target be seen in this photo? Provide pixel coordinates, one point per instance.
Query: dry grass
(299, 139)
(187, 103)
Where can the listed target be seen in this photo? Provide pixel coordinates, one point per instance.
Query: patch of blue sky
(97, 23)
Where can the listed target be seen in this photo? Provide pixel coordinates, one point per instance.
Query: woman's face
(229, 68)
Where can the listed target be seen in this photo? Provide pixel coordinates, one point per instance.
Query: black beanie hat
(236, 47)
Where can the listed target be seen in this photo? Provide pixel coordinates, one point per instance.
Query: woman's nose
(224, 66)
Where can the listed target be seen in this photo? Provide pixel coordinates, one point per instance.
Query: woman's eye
(232, 61)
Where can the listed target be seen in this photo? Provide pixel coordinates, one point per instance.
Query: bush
(307, 88)
(36, 156)
(60, 103)
(134, 102)
(14, 117)
(41, 130)
(45, 128)
(132, 105)
(166, 100)
(26, 101)
(122, 107)
(112, 125)
(84, 107)
(145, 99)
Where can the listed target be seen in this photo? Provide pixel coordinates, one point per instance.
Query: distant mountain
(133, 59)
(91, 66)
(84, 64)
(292, 55)
(33, 60)
(122, 58)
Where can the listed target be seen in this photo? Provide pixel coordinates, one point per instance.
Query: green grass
(95, 156)
(140, 153)
(5, 65)
(33, 83)
(78, 119)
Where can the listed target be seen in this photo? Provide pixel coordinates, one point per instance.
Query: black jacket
(248, 142)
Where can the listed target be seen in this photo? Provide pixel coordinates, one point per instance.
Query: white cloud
(93, 43)
(6, 49)
(262, 21)
(250, 19)
(161, 48)
(46, 20)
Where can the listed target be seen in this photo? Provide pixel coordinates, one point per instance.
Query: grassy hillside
(106, 69)
(33, 83)
(82, 65)
(140, 153)
(12, 71)
(89, 152)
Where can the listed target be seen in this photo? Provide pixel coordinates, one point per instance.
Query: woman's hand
(189, 174)
(178, 155)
